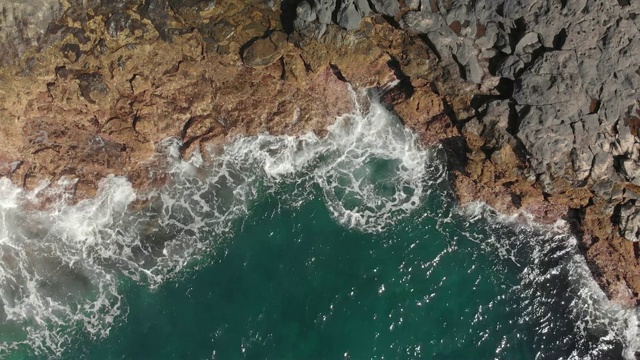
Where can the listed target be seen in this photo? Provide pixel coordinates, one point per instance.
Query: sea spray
(62, 267)
(62, 264)
(555, 282)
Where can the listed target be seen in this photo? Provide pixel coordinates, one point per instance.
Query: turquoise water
(299, 248)
(293, 285)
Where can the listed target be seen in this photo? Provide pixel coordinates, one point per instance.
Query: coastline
(103, 85)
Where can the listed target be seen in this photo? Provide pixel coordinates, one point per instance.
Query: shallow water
(344, 247)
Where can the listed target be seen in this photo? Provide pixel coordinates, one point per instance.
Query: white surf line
(61, 266)
(593, 311)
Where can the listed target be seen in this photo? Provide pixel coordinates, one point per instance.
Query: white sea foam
(61, 266)
(554, 276)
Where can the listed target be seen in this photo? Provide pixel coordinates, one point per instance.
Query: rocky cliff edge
(534, 101)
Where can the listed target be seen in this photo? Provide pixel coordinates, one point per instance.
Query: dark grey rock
(386, 7)
(465, 51)
(412, 4)
(305, 12)
(425, 5)
(486, 35)
(551, 80)
(497, 112)
(526, 46)
(306, 21)
(494, 124)
(363, 7)
(630, 221)
(510, 67)
(631, 169)
(624, 142)
(324, 10)
(23, 26)
(474, 71)
(602, 168)
(421, 22)
(582, 154)
(348, 16)
(550, 148)
(603, 188)
(443, 44)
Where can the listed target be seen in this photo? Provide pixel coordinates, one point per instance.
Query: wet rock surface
(534, 102)
(559, 132)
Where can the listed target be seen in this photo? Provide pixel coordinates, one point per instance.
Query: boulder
(265, 51)
(304, 12)
(421, 22)
(363, 7)
(386, 7)
(630, 221)
(23, 26)
(348, 16)
(324, 10)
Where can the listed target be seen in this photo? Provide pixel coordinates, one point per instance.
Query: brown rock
(96, 97)
(104, 112)
(265, 51)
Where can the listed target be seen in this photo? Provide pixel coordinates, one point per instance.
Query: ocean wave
(62, 266)
(555, 283)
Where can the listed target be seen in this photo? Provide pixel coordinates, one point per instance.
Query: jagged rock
(631, 170)
(487, 35)
(443, 44)
(624, 142)
(324, 10)
(348, 16)
(386, 7)
(304, 12)
(265, 51)
(412, 4)
(511, 67)
(551, 80)
(474, 70)
(23, 26)
(582, 156)
(526, 46)
(603, 167)
(630, 221)
(564, 134)
(305, 17)
(363, 7)
(421, 22)
(497, 114)
(550, 148)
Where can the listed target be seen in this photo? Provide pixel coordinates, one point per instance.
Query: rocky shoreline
(533, 101)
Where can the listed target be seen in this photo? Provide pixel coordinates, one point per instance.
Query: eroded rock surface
(534, 101)
(23, 26)
(561, 137)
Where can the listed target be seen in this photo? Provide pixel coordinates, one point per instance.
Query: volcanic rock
(534, 102)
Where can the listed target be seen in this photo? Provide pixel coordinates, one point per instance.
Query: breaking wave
(61, 267)
(557, 290)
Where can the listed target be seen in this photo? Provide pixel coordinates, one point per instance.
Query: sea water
(344, 247)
